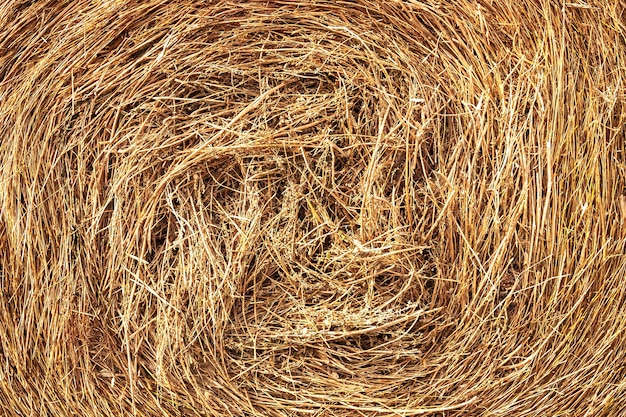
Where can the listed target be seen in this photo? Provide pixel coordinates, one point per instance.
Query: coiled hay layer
(332, 208)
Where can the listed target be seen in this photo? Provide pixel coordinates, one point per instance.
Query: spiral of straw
(325, 208)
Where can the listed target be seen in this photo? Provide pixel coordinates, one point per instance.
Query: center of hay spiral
(266, 172)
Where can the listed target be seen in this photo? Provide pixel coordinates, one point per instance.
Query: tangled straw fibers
(331, 208)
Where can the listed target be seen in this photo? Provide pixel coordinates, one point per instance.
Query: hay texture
(324, 208)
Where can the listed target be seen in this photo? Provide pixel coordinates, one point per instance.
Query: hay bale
(355, 208)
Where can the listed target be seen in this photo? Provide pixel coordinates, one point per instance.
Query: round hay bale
(330, 208)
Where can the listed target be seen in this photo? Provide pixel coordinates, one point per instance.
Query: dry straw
(325, 208)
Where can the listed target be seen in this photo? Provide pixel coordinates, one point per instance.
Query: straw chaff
(332, 208)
